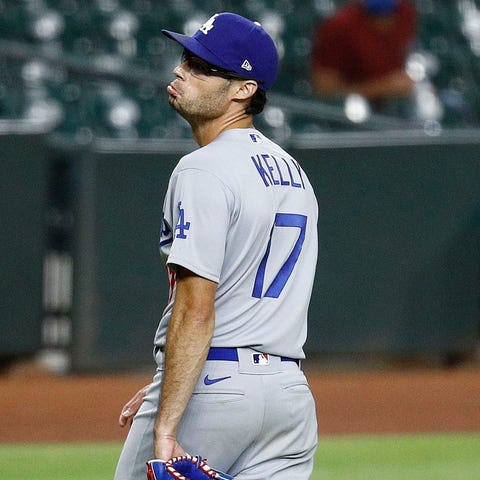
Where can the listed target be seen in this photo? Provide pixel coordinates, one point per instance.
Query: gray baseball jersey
(241, 212)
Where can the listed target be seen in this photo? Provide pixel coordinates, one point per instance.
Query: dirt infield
(40, 407)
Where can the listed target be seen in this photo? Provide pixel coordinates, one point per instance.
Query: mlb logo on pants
(260, 359)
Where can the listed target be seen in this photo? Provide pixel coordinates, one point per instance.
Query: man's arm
(188, 340)
(329, 82)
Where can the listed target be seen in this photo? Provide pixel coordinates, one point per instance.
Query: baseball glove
(186, 467)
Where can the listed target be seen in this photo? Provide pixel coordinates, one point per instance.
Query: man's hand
(167, 447)
(131, 407)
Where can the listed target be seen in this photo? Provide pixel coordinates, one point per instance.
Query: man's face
(198, 91)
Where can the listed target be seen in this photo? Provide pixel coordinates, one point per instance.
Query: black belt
(231, 355)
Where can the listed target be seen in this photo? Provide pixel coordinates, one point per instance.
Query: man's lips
(172, 90)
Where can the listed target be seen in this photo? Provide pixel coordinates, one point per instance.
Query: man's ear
(246, 89)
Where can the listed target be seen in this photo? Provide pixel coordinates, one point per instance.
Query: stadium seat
(122, 37)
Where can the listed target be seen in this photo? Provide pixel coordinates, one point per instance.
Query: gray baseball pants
(257, 423)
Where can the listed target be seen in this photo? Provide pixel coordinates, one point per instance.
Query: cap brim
(194, 46)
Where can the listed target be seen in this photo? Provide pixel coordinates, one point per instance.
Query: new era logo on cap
(236, 44)
(246, 65)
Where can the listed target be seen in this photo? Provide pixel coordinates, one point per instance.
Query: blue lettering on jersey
(282, 180)
(274, 172)
(262, 172)
(182, 226)
(265, 157)
(294, 184)
(299, 170)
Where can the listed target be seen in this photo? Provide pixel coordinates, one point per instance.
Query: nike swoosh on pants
(211, 381)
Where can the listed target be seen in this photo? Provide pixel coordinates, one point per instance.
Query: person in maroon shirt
(362, 49)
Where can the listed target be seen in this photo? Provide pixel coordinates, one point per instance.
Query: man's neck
(206, 132)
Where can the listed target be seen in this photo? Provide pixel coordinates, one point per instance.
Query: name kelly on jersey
(283, 172)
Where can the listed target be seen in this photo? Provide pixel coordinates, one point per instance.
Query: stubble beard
(200, 109)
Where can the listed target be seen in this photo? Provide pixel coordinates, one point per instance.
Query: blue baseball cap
(380, 7)
(236, 44)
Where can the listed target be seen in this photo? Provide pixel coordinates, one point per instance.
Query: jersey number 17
(275, 288)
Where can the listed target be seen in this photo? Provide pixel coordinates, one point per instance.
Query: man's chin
(172, 101)
(174, 104)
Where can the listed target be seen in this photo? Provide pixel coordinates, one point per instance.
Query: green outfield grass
(426, 457)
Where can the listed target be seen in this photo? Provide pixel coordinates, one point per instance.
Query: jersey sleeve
(199, 206)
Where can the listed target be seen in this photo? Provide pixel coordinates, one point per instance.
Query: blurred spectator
(362, 49)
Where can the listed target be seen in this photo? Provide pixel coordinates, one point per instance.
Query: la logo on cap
(208, 25)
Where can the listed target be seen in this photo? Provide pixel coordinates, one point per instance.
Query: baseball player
(239, 238)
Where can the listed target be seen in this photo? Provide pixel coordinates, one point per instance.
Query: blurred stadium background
(88, 142)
